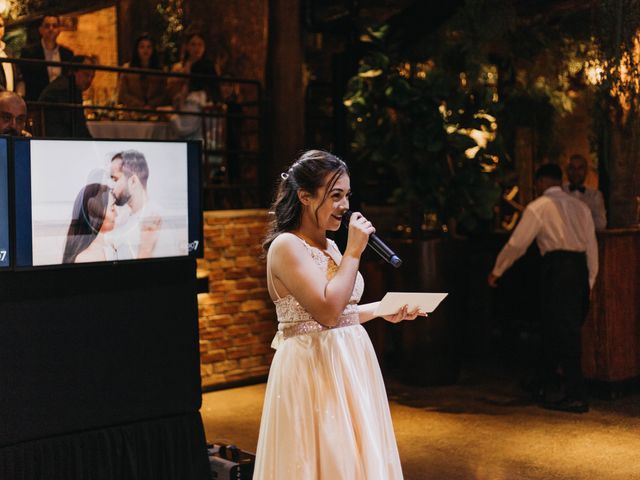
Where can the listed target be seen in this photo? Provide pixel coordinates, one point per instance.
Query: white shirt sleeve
(520, 240)
(592, 254)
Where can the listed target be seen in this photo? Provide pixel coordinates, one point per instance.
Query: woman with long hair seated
(201, 94)
(94, 214)
(140, 90)
(194, 51)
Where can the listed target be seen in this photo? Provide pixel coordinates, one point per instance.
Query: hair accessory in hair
(284, 176)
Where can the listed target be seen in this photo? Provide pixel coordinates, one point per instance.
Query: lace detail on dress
(294, 320)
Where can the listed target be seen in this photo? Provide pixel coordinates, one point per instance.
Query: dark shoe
(568, 405)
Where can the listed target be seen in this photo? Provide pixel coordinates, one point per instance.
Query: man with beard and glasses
(145, 232)
(13, 114)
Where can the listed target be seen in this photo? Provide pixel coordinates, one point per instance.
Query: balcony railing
(232, 133)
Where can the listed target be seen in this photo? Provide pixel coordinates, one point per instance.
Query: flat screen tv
(5, 255)
(89, 201)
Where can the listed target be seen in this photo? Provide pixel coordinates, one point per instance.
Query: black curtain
(99, 369)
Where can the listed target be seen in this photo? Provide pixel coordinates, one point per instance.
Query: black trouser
(565, 301)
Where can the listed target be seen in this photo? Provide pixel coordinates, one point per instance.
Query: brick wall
(237, 318)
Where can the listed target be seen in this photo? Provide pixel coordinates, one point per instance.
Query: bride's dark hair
(87, 218)
(306, 173)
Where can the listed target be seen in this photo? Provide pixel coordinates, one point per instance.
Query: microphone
(376, 244)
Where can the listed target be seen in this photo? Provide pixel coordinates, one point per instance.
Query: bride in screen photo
(94, 214)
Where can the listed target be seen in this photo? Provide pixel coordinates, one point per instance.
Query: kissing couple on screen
(118, 222)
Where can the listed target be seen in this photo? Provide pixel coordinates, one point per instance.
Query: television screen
(87, 201)
(4, 205)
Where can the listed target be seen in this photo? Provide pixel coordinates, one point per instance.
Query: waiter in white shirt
(564, 230)
(577, 174)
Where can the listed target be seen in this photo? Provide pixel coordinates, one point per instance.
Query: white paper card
(394, 301)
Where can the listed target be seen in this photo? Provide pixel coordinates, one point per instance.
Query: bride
(326, 414)
(94, 214)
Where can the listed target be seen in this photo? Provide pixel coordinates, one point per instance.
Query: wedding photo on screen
(4, 205)
(103, 201)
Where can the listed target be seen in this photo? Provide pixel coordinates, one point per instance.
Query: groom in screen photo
(144, 233)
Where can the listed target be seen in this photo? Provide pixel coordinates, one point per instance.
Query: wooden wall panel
(611, 335)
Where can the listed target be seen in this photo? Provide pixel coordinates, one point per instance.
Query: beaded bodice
(290, 312)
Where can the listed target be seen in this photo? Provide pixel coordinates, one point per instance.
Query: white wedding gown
(326, 414)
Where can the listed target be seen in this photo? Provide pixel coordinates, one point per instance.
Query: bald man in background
(577, 174)
(13, 114)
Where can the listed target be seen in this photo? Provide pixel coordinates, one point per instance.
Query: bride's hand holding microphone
(359, 230)
(361, 234)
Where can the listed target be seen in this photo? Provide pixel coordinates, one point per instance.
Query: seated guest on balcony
(8, 75)
(200, 95)
(37, 77)
(68, 88)
(139, 90)
(194, 50)
(13, 114)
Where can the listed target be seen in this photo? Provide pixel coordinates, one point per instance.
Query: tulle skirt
(326, 413)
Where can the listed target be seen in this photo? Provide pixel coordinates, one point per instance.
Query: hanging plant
(172, 17)
(16, 9)
(20, 8)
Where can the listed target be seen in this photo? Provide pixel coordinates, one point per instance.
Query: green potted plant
(435, 129)
(433, 125)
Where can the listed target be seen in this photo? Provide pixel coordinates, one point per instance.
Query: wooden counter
(611, 334)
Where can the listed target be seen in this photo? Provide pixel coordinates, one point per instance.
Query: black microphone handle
(383, 250)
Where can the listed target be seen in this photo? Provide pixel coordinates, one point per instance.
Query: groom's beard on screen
(123, 198)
